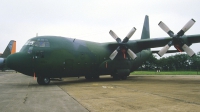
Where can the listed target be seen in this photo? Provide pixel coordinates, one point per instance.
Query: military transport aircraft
(47, 57)
(10, 49)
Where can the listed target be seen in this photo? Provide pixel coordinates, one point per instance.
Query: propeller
(176, 39)
(122, 44)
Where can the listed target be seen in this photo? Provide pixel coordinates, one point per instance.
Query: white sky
(92, 19)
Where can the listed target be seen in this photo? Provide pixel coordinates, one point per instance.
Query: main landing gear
(121, 74)
(43, 80)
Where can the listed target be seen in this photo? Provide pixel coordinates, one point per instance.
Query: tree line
(177, 62)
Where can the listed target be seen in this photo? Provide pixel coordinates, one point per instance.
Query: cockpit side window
(30, 50)
(37, 44)
(30, 42)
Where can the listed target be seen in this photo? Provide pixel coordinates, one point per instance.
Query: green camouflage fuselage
(66, 57)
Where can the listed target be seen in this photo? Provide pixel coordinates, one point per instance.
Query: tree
(150, 63)
(175, 62)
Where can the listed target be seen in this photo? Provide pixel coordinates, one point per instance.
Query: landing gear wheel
(43, 80)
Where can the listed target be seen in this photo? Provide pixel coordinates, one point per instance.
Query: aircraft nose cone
(20, 62)
(14, 61)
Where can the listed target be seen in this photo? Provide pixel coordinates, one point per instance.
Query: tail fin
(146, 30)
(10, 49)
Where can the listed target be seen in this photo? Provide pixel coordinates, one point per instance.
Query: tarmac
(20, 93)
(144, 93)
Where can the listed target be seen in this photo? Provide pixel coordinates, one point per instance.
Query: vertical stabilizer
(10, 49)
(146, 30)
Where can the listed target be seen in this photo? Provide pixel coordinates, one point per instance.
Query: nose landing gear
(43, 80)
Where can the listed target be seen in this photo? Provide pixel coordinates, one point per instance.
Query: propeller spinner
(176, 40)
(123, 43)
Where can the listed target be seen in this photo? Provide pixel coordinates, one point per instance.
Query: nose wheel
(43, 80)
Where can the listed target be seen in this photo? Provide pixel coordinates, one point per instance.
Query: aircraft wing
(160, 42)
(152, 43)
(193, 38)
(138, 45)
(142, 44)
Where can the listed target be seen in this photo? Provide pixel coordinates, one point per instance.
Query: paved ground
(137, 93)
(20, 93)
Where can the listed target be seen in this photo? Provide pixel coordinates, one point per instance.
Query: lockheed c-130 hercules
(47, 57)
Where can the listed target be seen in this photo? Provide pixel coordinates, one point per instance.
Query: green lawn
(165, 73)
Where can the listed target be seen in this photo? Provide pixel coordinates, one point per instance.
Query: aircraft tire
(43, 80)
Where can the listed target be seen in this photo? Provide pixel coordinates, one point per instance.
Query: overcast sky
(92, 19)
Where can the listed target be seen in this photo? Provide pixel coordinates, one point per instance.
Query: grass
(165, 73)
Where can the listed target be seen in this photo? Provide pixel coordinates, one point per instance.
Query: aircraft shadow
(83, 80)
(134, 79)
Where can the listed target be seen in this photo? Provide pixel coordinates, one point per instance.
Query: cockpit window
(30, 50)
(47, 44)
(38, 43)
(42, 43)
(30, 42)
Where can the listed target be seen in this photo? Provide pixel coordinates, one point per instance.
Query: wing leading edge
(160, 42)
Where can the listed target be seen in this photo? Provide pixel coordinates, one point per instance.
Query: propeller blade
(188, 25)
(125, 40)
(112, 56)
(166, 29)
(131, 54)
(188, 50)
(115, 36)
(131, 32)
(164, 50)
(163, 27)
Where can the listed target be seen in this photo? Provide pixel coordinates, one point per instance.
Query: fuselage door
(41, 50)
